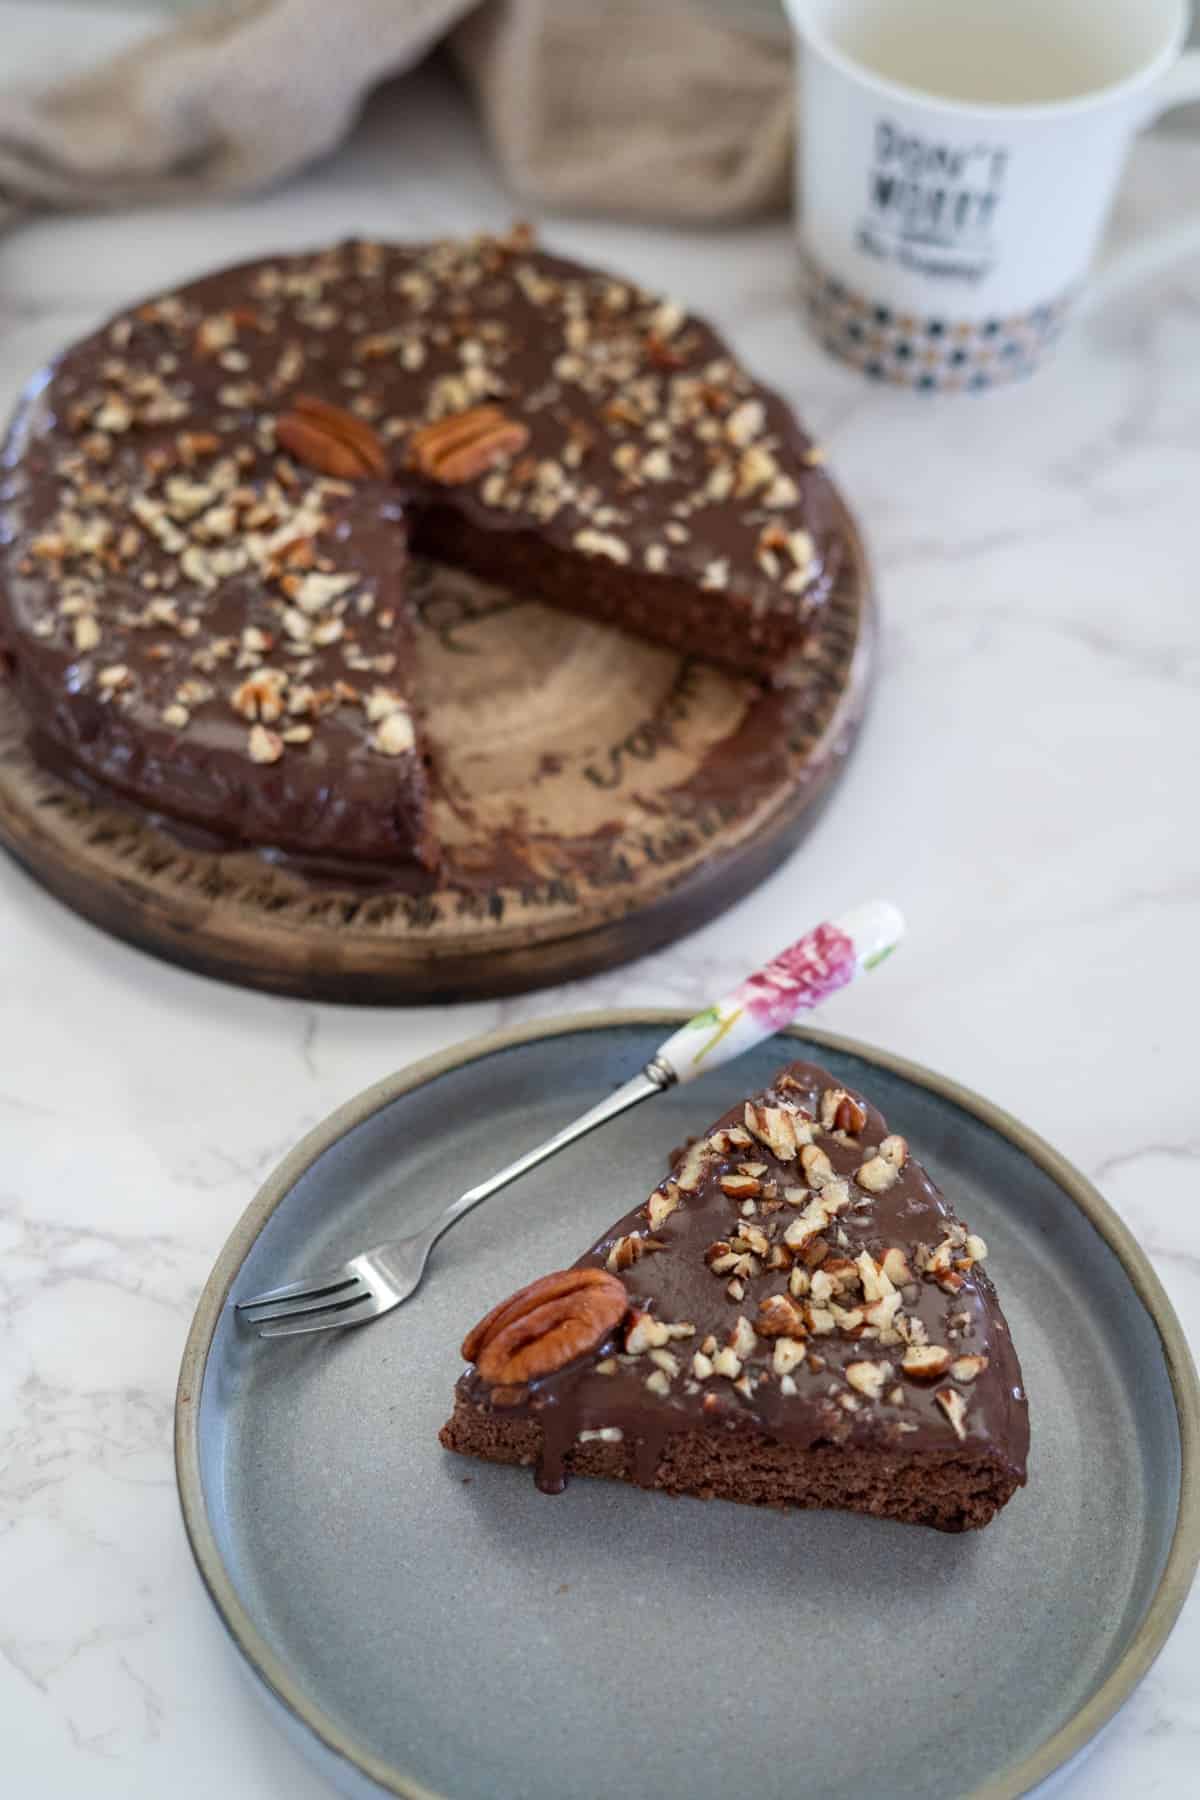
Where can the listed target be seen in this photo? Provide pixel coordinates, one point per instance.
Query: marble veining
(1025, 789)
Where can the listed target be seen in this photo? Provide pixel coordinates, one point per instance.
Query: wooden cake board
(597, 796)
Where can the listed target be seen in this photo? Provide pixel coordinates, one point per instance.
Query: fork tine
(347, 1312)
(293, 1309)
(328, 1283)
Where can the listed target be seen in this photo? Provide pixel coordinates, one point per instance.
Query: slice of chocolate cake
(205, 503)
(795, 1317)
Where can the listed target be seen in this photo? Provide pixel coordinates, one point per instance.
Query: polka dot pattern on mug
(930, 354)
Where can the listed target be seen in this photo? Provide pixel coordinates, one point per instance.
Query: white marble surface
(1026, 790)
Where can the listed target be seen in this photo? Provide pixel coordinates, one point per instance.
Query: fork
(370, 1284)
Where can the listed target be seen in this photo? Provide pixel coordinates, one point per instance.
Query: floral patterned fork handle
(826, 958)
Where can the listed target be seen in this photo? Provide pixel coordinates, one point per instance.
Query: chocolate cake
(795, 1317)
(207, 508)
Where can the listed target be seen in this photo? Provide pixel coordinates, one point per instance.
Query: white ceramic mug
(957, 163)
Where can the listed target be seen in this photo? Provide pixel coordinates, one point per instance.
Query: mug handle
(1129, 268)
(1180, 84)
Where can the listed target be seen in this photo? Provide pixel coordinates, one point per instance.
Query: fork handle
(825, 959)
(800, 977)
(643, 1086)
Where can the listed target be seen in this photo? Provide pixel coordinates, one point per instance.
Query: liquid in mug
(1023, 55)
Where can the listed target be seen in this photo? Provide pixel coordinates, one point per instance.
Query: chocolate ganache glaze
(207, 507)
(917, 1370)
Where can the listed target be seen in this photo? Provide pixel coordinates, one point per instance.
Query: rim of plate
(1068, 1741)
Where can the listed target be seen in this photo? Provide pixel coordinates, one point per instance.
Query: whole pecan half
(546, 1325)
(330, 439)
(465, 444)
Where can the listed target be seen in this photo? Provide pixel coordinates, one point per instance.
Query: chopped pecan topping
(850, 1117)
(750, 1239)
(645, 1333)
(968, 1368)
(734, 1137)
(839, 1111)
(876, 1175)
(876, 1283)
(628, 1250)
(264, 746)
(783, 1129)
(787, 1355)
(741, 1339)
(821, 1209)
(895, 1267)
(779, 1317)
(818, 1170)
(691, 1167)
(925, 1362)
(395, 735)
(843, 1273)
(87, 632)
(944, 1264)
(869, 1378)
(662, 1204)
(955, 1409)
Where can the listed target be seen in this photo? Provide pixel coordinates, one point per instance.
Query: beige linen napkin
(615, 105)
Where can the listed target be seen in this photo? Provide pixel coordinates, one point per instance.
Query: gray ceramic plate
(425, 1624)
